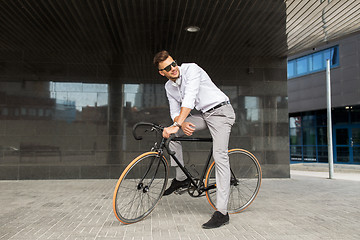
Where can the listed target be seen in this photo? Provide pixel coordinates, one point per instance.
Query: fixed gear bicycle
(142, 184)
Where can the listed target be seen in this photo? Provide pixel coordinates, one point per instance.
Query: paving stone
(306, 206)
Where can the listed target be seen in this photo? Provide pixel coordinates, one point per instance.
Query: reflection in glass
(142, 96)
(68, 123)
(342, 136)
(356, 154)
(342, 154)
(322, 136)
(309, 120)
(295, 122)
(310, 153)
(130, 94)
(355, 136)
(78, 94)
(309, 137)
(252, 108)
(355, 115)
(296, 153)
(71, 99)
(322, 154)
(321, 118)
(295, 136)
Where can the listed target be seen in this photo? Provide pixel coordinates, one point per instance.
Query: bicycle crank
(195, 190)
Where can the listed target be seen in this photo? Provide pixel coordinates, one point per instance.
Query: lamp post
(329, 123)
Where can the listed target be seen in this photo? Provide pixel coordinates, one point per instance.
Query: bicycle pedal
(180, 191)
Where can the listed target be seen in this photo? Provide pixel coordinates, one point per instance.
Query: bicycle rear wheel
(245, 180)
(140, 187)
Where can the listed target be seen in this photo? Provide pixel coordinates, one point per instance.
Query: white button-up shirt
(193, 88)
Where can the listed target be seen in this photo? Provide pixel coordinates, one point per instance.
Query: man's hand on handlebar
(170, 130)
(187, 127)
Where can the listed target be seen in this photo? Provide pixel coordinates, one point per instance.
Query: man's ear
(161, 73)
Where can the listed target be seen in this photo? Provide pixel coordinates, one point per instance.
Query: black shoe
(217, 220)
(175, 185)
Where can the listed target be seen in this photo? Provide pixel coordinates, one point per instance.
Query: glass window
(355, 115)
(296, 153)
(327, 54)
(252, 108)
(342, 136)
(309, 137)
(23, 111)
(322, 154)
(310, 153)
(32, 112)
(321, 118)
(5, 111)
(291, 69)
(322, 135)
(295, 122)
(342, 154)
(355, 136)
(48, 112)
(313, 62)
(318, 62)
(309, 120)
(295, 136)
(356, 157)
(301, 65)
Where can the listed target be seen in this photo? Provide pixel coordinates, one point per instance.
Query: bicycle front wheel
(244, 184)
(140, 187)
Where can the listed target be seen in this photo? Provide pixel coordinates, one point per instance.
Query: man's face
(173, 74)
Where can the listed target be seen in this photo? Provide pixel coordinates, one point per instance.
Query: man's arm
(187, 127)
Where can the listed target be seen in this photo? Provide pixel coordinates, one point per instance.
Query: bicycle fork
(146, 188)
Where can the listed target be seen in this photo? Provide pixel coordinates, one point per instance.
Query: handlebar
(144, 124)
(158, 127)
(171, 138)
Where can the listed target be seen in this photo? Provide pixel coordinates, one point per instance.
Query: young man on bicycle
(189, 87)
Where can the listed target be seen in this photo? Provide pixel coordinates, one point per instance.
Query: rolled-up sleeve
(193, 76)
(174, 106)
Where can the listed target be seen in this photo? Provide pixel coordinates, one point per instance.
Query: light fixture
(192, 29)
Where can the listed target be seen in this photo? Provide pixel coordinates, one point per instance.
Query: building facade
(307, 102)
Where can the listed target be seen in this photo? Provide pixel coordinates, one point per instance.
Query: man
(189, 87)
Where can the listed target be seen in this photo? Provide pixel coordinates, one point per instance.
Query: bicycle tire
(246, 184)
(140, 187)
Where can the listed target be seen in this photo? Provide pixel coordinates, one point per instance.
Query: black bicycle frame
(183, 168)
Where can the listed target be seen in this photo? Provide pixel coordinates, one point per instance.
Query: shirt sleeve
(174, 106)
(192, 86)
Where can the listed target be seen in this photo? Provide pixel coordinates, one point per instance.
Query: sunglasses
(168, 67)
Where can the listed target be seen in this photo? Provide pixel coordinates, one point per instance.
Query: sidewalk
(341, 171)
(306, 206)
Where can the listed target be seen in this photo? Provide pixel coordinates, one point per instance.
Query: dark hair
(159, 57)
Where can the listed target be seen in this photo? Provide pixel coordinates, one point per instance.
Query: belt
(219, 105)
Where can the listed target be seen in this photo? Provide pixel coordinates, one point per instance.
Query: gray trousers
(219, 122)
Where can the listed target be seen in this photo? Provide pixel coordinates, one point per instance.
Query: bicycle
(143, 182)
